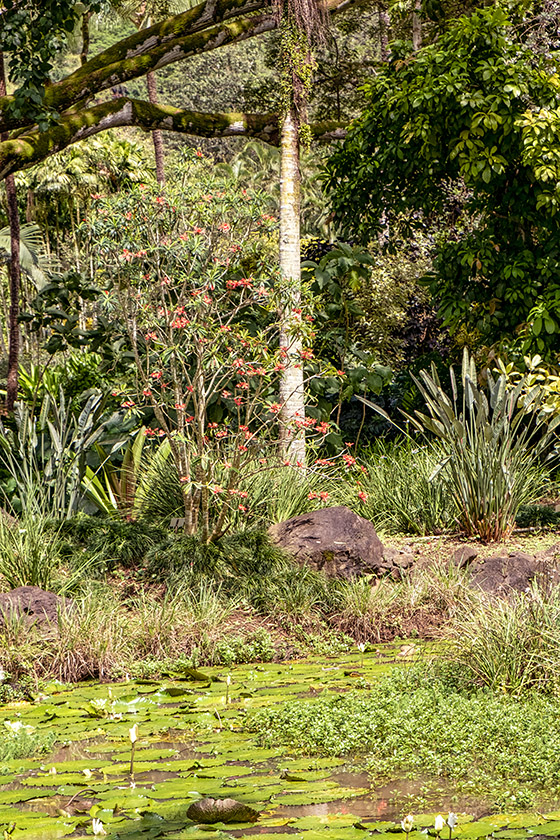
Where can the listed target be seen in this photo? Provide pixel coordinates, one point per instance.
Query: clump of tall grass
(281, 492)
(401, 496)
(424, 601)
(29, 551)
(89, 639)
(511, 645)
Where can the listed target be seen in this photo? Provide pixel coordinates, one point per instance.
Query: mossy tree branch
(34, 146)
(212, 24)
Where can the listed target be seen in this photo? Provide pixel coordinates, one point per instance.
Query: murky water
(196, 748)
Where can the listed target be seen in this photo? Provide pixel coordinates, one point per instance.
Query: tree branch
(135, 55)
(35, 146)
(195, 31)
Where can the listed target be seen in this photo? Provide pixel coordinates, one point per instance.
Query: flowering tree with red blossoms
(191, 277)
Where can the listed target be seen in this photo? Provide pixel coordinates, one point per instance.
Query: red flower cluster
(243, 283)
(180, 323)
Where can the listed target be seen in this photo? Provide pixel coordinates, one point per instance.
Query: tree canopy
(461, 140)
(74, 108)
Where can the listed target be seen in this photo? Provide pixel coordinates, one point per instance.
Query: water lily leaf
(326, 821)
(9, 797)
(530, 820)
(47, 829)
(224, 771)
(59, 779)
(274, 836)
(550, 829)
(202, 832)
(145, 754)
(198, 676)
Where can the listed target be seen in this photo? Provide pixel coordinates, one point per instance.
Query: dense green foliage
(33, 33)
(416, 722)
(459, 140)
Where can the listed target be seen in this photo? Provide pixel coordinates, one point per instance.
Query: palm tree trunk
(292, 397)
(15, 273)
(156, 134)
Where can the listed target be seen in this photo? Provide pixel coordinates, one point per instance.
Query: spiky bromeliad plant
(495, 438)
(494, 441)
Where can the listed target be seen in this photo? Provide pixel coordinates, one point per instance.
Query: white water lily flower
(361, 647)
(133, 733)
(439, 823)
(16, 726)
(87, 773)
(228, 679)
(452, 820)
(98, 829)
(52, 771)
(407, 823)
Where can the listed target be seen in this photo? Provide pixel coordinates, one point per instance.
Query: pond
(192, 744)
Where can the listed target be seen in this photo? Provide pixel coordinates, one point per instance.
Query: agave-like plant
(494, 440)
(113, 490)
(45, 453)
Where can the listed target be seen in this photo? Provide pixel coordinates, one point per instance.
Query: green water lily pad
(10, 797)
(325, 821)
(528, 820)
(317, 795)
(48, 829)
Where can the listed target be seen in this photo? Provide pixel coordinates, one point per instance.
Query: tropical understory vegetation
(258, 261)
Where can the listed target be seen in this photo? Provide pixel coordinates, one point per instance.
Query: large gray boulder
(335, 541)
(515, 572)
(33, 604)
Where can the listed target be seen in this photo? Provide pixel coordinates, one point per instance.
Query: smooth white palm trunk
(292, 397)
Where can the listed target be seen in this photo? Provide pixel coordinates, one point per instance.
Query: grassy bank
(144, 598)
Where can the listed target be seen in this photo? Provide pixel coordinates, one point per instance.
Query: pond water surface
(192, 744)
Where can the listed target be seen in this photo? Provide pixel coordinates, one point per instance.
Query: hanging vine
(302, 24)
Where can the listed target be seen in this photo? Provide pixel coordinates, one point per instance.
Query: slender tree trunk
(292, 397)
(156, 134)
(15, 273)
(384, 24)
(85, 37)
(5, 313)
(417, 26)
